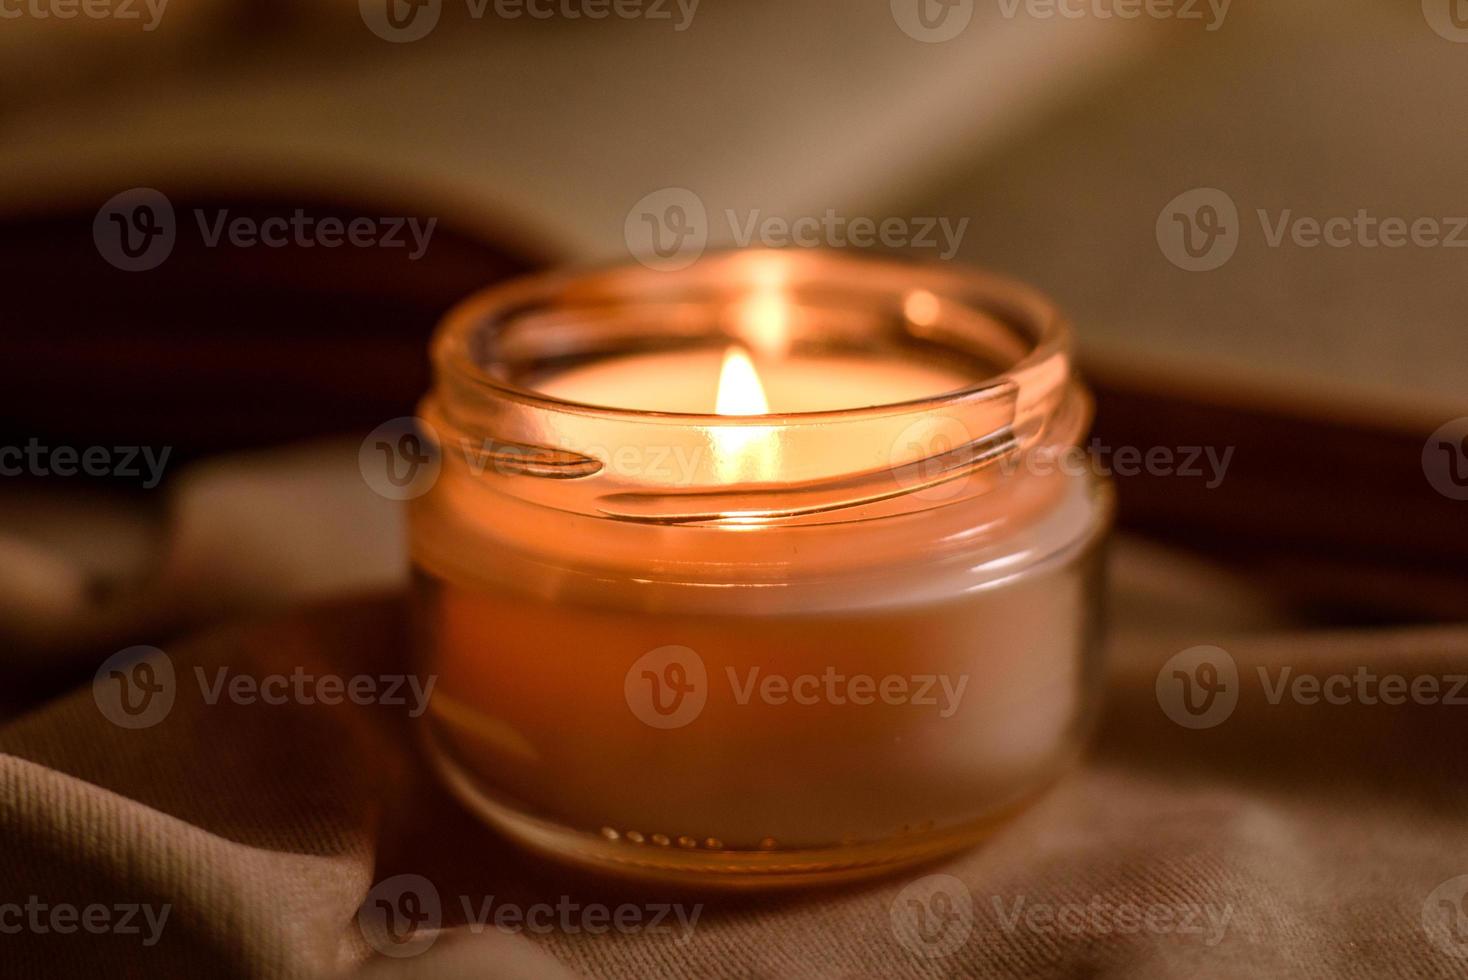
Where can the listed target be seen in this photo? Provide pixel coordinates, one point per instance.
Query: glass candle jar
(758, 572)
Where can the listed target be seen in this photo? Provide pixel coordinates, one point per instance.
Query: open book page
(762, 108)
(1336, 139)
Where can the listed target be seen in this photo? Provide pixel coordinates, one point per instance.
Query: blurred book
(1319, 136)
(557, 128)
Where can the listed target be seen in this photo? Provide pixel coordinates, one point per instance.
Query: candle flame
(740, 391)
(745, 452)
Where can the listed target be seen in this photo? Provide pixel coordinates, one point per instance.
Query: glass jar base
(671, 862)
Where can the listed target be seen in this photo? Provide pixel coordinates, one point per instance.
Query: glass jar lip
(853, 463)
(1038, 373)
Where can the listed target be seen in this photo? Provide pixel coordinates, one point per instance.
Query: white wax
(687, 381)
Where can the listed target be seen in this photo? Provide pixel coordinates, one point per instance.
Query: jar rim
(823, 459)
(453, 342)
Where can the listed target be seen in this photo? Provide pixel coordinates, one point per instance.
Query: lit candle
(760, 607)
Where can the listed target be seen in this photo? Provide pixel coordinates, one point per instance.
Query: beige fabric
(1300, 840)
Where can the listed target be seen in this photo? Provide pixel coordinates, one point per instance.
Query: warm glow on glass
(763, 319)
(921, 308)
(763, 323)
